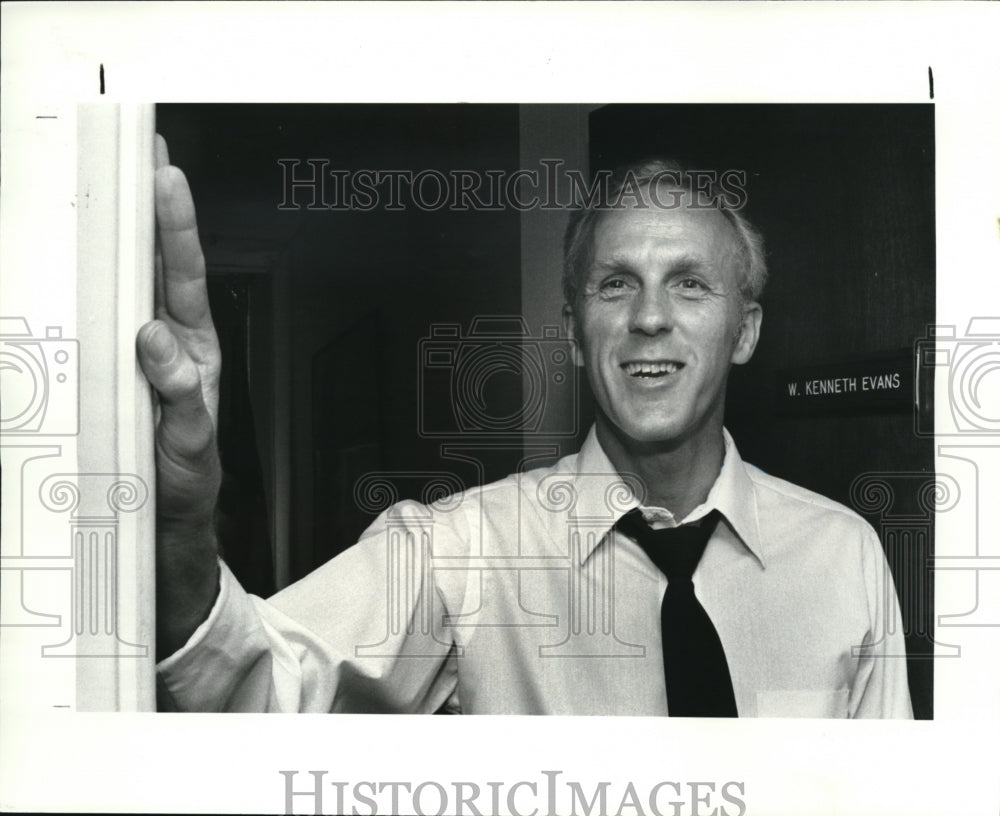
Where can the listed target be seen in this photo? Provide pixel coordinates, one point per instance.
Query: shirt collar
(603, 496)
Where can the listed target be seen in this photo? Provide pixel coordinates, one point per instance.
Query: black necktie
(694, 663)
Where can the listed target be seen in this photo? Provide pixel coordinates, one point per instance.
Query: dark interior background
(358, 292)
(322, 314)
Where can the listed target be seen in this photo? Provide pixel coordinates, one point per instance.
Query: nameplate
(881, 381)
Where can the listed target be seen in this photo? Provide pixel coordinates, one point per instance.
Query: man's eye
(613, 285)
(693, 286)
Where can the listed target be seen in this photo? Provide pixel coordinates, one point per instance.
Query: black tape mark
(930, 79)
(102, 79)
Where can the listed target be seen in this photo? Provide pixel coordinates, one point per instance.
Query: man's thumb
(174, 375)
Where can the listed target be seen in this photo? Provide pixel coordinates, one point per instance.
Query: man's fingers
(161, 154)
(160, 295)
(183, 265)
(161, 157)
(186, 428)
(179, 355)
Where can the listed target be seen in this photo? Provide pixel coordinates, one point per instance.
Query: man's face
(659, 319)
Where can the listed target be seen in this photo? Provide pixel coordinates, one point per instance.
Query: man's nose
(652, 312)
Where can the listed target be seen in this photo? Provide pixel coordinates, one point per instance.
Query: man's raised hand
(179, 354)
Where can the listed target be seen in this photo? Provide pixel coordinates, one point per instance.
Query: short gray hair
(578, 244)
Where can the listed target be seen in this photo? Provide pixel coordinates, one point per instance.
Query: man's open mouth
(652, 369)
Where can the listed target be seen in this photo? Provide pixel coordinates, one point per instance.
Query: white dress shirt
(518, 598)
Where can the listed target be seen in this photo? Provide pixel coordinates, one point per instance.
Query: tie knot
(675, 550)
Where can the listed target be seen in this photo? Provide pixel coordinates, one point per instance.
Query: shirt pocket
(821, 703)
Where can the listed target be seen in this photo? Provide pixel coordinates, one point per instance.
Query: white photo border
(60, 55)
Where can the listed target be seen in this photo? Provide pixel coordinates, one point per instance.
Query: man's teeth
(650, 369)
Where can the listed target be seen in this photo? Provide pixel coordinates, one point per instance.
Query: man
(652, 573)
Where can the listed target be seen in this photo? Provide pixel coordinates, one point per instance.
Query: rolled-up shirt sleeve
(363, 633)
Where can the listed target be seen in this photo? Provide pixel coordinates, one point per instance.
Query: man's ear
(749, 333)
(570, 329)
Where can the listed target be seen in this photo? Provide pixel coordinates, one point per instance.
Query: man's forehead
(679, 261)
(686, 232)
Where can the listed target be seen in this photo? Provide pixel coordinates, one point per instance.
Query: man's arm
(342, 639)
(324, 644)
(179, 354)
(881, 689)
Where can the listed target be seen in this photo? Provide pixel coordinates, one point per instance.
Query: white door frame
(77, 439)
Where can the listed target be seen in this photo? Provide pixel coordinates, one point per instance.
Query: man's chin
(646, 434)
